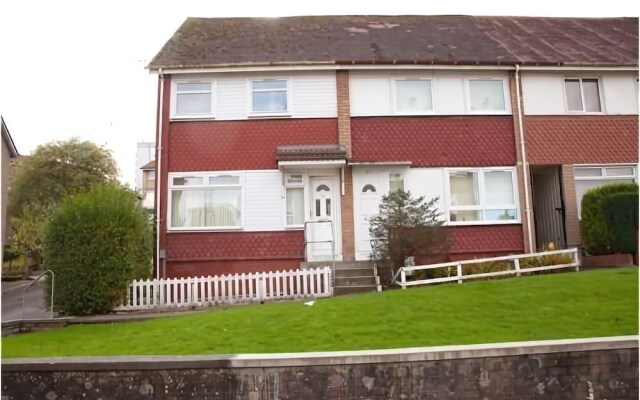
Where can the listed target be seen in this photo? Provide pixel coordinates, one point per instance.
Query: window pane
(269, 85)
(619, 171)
(587, 172)
(471, 215)
(574, 98)
(186, 87)
(269, 101)
(295, 206)
(187, 180)
(396, 182)
(151, 174)
(328, 205)
(368, 188)
(293, 179)
(500, 215)
(193, 103)
(464, 188)
(498, 187)
(224, 180)
(591, 95)
(222, 207)
(318, 207)
(187, 208)
(413, 95)
(486, 95)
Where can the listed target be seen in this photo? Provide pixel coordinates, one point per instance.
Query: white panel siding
(263, 202)
(543, 94)
(372, 94)
(450, 95)
(231, 98)
(369, 96)
(314, 95)
(620, 94)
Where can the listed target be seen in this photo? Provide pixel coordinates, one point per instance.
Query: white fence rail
(461, 274)
(228, 289)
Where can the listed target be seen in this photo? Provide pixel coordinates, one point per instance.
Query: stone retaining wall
(601, 368)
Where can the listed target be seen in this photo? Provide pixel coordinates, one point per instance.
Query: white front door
(322, 231)
(367, 190)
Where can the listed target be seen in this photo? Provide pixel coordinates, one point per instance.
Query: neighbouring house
(147, 191)
(9, 153)
(279, 135)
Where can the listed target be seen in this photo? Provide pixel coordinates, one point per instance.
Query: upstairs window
(486, 95)
(583, 95)
(193, 99)
(413, 96)
(269, 96)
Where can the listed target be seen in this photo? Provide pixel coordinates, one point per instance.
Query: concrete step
(342, 290)
(339, 264)
(356, 281)
(354, 272)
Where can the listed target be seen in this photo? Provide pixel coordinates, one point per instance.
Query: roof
(8, 140)
(406, 39)
(150, 165)
(311, 152)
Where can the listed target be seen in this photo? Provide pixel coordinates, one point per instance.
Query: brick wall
(344, 112)
(572, 224)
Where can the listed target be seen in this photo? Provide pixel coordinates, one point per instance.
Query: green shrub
(597, 235)
(96, 243)
(621, 214)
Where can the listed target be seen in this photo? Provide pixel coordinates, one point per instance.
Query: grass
(567, 305)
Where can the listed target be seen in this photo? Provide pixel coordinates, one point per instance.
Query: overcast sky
(77, 68)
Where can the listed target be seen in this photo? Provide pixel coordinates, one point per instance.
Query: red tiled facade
(473, 141)
(583, 139)
(487, 239)
(237, 145)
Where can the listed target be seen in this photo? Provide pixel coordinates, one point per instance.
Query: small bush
(96, 243)
(597, 235)
(621, 215)
(545, 261)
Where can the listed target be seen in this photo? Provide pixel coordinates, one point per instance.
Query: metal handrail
(33, 282)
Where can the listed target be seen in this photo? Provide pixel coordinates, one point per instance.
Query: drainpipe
(159, 171)
(525, 169)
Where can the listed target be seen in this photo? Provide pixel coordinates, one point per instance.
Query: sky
(77, 68)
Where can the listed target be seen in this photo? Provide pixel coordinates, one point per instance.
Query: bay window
(481, 196)
(205, 201)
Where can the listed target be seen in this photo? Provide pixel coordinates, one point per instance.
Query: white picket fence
(456, 271)
(228, 289)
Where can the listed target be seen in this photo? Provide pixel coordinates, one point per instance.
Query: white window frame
(174, 99)
(204, 186)
(394, 95)
(580, 79)
(256, 114)
(481, 194)
(505, 95)
(304, 186)
(603, 177)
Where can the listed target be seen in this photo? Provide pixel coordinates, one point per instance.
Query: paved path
(12, 300)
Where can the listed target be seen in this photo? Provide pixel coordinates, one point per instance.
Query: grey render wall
(605, 368)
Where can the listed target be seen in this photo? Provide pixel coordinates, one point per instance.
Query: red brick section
(162, 177)
(582, 139)
(197, 253)
(521, 169)
(435, 141)
(344, 137)
(572, 224)
(235, 145)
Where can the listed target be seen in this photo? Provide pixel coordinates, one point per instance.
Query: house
(277, 137)
(9, 152)
(148, 182)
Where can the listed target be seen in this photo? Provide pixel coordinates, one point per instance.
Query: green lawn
(566, 305)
